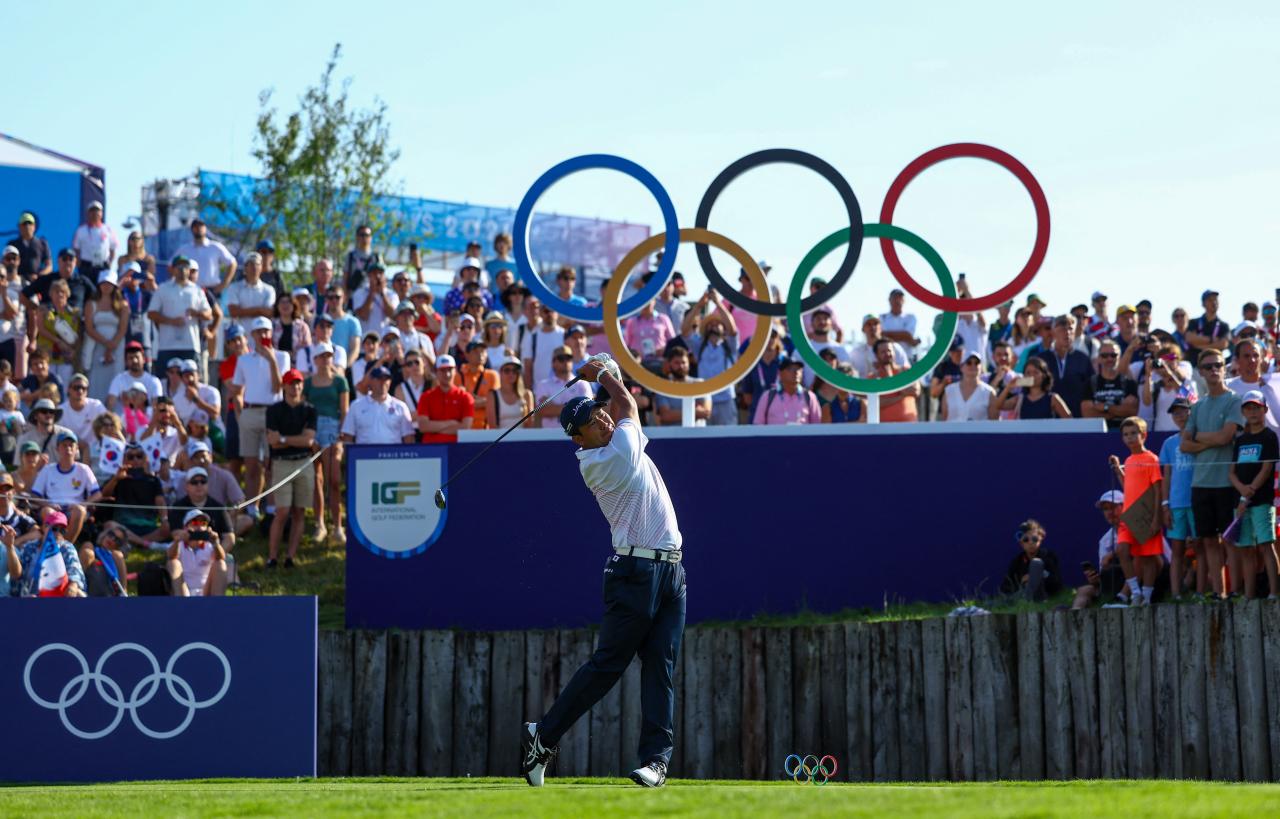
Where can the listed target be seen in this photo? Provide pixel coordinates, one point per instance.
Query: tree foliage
(323, 169)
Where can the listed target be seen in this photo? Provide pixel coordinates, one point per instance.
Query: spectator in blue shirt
(1179, 524)
(24, 563)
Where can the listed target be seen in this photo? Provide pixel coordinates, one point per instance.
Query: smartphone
(1025, 381)
(203, 534)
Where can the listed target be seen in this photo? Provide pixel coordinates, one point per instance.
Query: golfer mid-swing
(644, 590)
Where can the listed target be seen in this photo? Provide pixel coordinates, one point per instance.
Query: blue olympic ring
(802, 766)
(524, 213)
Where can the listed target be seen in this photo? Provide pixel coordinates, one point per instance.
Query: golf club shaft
(509, 430)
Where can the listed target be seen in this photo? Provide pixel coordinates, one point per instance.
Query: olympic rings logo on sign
(816, 773)
(111, 693)
(851, 238)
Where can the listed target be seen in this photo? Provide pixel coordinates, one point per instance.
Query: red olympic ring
(977, 151)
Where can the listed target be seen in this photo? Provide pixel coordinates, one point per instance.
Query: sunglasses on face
(197, 481)
(332, 297)
(78, 388)
(1030, 538)
(1108, 355)
(1210, 366)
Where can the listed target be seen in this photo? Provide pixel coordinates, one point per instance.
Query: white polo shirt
(379, 422)
(196, 565)
(185, 406)
(94, 244)
(383, 307)
(123, 379)
(630, 491)
(172, 301)
(80, 421)
(901, 323)
(212, 257)
(253, 372)
(243, 294)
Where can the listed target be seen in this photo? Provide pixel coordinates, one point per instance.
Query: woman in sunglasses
(144, 520)
(1034, 571)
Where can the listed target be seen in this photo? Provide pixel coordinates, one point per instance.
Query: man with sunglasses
(1248, 358)
(346, 327)
(79, 410)
(1208, 332)
(359, 260)
(250, 297)
(43, 429)
(1112, 394)
(1209, 435)
(197, 562)
(1035, 571)
(140, 498)
(255, 386)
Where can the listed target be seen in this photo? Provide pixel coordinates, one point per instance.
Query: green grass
(565, 798)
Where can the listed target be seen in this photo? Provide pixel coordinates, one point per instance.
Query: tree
(324, 169)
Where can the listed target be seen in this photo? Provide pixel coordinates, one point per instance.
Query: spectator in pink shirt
(648, 332)
(789, 402)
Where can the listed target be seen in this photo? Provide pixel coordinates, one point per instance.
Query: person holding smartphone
(1029, 396)
(197, 562)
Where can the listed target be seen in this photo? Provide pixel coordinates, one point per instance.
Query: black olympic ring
(817, 773)
(786, 156)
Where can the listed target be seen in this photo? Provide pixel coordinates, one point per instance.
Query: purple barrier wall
(772, 523)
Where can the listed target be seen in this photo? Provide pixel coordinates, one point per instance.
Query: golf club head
(440, 504)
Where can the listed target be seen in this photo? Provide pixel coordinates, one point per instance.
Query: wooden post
(936, 720)
(334, 717)
(807, 690)
(1139, 692)
(1111, 709)
(778, 698)
(1271, 659)
(506, 703)
(726, 702)
(1166, 688)
(886, 746)
(1082, 680)
(534, 646)
(1030, 695)
(435, 740)
(575, 746)
(606, 733)
(834, 716)
(996, 745)
(912, 756)
(1220, 685)
(1251, 690)
(1193, 706)
(403, 703)
(699, 727)
(857, 703)
(755, 734)
(369, 691)
(629, 739)
(472, 656)
(960, 698)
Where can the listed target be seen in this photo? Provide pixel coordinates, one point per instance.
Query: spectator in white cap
(374, 302)
(94, 242)
(136, 409)
(172, 376)
(469, 272)
(1107, 579)
(460, 331)
(306, 304)
(256, 385)
(968, 399)
(290, 328)
(197, 561)
(79, 410)
(445, 408)
(327, 390)
(321, 334)
(196, 492)
(190, 395)
(411, 338)
(379, 417)
(198, 429)
(135, 360)
(822, 337)
(1252, 473)
(106, 323)
(176, 311)
(249, 297)
(862, 354)
(224, 490)
(900, 326)
(1248, 359)
(217, 267)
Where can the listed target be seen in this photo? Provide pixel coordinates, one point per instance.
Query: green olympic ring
(871, 386)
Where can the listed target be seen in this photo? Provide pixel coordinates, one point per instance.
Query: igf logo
(394, 492)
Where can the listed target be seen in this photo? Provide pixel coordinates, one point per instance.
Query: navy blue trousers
(643, 615)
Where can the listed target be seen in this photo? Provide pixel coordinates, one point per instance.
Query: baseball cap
(419, 290)
(1179, 403)
(973, 355)
(561, 352)
(179, 261)
(1268, 307)
(265, 244)
(466, 318)
(10, 249)
(1254, 397)
(95, 205)
(1125, 308)
(1036, 297)
(259, 323)
(577, 328)
(194, 514)
(55, 519)
(1206, 294)
(957, 343)
(325, 317)
(379, 372)
(27, 218)
(391, 332)
(137, 345)
(475, 345)
(1098, 295)
(67, 435)
(445, 361)
(1114, 496)
(197, 472)
(137, 386)
(577, 413)
(190, 366)
(512, 361)
(6, 479)
(133, 269)
(822, 308)
(321, 348)
(80, 378)
(471, 261)
(199, 416)
(108, 276)
(233, 331)
(193, 265)
(66, 253)
(301, 291)
(45, 404)
(197, 446)
(29, 446)
(174, 364)
(405, 307)
(785, 361)
(292, 375)
(870, 317)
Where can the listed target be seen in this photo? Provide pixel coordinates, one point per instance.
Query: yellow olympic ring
(613, 330)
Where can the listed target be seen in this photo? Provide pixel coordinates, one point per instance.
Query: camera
(201, 534)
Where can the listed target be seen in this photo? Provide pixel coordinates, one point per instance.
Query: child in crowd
(1180, 525)
(12, 423)
(6, 379)
(137, 410)
(1140, 524)
(1256, 450)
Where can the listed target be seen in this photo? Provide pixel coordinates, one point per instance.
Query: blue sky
(1151, 126)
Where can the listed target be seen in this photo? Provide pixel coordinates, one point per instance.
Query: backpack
(154, 581)
(729, 353)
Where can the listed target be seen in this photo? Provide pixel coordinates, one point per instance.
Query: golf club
(440, 499)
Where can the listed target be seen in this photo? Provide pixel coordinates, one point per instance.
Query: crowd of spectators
(152, 406)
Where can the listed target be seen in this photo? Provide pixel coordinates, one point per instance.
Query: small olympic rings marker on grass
(809, 768)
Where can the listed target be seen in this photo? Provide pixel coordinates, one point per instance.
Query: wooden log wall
(1170, 692)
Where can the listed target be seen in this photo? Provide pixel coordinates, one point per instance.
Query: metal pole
(687, 406)
(873, 409)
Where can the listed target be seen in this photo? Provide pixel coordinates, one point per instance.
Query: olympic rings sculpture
(816, 774)
(111, 693)
(609, 311)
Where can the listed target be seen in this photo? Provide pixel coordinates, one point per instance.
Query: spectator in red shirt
(447, 408)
